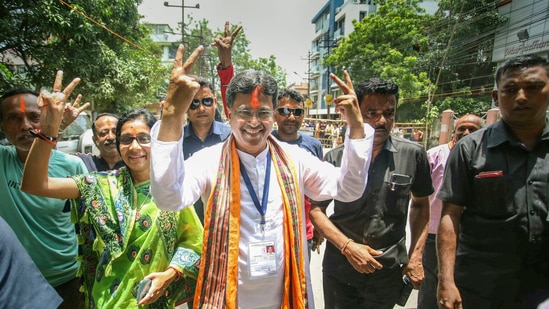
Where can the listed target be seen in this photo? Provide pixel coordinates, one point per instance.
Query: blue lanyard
(261, 208)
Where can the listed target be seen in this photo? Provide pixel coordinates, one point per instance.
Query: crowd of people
(189, 209)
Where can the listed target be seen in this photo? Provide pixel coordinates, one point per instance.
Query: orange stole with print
(218, 278)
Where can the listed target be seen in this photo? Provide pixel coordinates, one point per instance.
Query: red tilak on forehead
(108, 122)
(134, 131)
(22, 107)
(254, 100)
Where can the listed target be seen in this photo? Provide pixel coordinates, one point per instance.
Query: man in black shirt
(493, 238)
(366, 255)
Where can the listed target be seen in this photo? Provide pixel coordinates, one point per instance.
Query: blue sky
(281, 28)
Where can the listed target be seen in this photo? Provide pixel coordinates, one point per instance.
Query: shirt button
(532, 212)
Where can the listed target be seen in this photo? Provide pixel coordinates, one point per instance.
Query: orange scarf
(218, 278)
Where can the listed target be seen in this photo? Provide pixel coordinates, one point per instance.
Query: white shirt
(176, 184)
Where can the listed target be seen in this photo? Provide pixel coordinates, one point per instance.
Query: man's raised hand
(182, 87)
(347, 104)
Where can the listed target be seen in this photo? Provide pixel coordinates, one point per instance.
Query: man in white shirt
(254, 253)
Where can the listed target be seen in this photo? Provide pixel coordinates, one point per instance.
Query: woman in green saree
(124, 236)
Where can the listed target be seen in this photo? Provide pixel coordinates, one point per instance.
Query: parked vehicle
(77, 137)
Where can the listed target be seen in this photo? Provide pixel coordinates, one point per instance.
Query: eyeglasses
(141, 138)
(285, 111)
(246, 114)
(207, 102)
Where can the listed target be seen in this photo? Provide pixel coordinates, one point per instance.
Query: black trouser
(378, 290)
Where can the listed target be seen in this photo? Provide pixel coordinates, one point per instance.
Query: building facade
(525, 32)
(333, 22)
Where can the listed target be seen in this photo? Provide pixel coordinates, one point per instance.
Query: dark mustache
(109, 142)
(382, 128)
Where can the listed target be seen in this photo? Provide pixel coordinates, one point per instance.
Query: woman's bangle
(177, 272)
(50, 139)
(345, 245)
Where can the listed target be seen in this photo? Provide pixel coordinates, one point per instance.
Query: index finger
(347, 86)
(58, 83)
(227, 28)
(178, 59)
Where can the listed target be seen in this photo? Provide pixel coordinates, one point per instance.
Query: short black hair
(377, 86)
(521, 62)
(290, 93)
(247, 81)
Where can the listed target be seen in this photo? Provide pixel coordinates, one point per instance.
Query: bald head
(466, 125)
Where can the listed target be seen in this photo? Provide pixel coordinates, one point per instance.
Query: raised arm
(225, 67)
(35, 175)
(167, 160)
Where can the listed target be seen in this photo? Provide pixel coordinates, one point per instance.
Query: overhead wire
(106, 28)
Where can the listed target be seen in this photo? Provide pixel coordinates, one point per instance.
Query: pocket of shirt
(494, 196)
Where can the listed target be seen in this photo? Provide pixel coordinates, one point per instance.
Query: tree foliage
(47, 35)
(386, 44)
(444, 59)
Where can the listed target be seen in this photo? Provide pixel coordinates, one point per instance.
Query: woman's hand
(160, 283)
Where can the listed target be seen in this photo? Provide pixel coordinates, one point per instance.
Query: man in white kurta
(176, 183)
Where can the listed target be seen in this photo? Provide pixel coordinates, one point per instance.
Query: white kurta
(176, 184)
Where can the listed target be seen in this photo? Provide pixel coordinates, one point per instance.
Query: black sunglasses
(285, 111)
(141, 138)
(205, 101)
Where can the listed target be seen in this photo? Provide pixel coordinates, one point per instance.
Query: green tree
(388, 44)
(48, 35)
(460, 55)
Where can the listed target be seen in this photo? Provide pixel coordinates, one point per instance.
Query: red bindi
(22, 107)
(254, 100)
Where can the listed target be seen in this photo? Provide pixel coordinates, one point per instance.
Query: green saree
(124, 237)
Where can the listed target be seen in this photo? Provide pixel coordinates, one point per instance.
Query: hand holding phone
(143, 289)
(405, 291)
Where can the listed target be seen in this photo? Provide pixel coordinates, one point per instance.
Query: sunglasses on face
(207, 102)
(285, 111)
(141, 138)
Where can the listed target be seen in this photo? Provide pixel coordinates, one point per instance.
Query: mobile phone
(405, 291)
(143, 289)
(400, 179)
